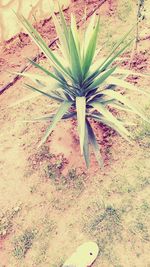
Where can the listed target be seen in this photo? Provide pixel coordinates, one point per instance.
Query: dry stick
(137, 39)
(134, 48)
(35, 59)
(137, 27)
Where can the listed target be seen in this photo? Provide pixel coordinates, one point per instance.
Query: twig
(139, 18)
(137, 39)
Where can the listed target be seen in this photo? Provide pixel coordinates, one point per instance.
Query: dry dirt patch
(49, 202)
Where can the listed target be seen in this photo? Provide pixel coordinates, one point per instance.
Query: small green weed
(74, 179)
(44, 153)
(42, 240)
(72, 174)
(23, 243)
(106, 224)
(121, 185)
(52, 171)
(54, 168)
(6, 220)
(143, 129)
(140, 229)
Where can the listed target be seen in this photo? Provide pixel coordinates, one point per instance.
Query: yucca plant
(84, 88)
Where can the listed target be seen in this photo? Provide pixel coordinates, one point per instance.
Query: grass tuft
(23, 243)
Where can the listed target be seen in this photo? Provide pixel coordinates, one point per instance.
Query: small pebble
(4, 232)
(16, 209)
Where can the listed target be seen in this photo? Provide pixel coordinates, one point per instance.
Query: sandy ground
(49, 202)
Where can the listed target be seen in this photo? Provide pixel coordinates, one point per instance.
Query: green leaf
(64, 25)
(130, 72)
(126, 102)
(75, 60)
(41, 44)
(108, 115)
(120, 106)
(88, 32)
(44, 70)
(86, 147)
(63, 41)
(61, 111)
(32, 96)
(51, 116)
(81, 109)
(102, 78)
(65, 86)
(109, 123)
(100, 98)
(50, 95)
(94, 144)
(75, 33)
(105, 63)
(124, 84)
(24, 99)
(42, 80)
(90, 52)
(97, 63)
(108, 62)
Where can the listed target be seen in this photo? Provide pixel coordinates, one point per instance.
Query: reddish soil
(49, 202)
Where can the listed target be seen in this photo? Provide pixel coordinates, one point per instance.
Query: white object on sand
(84, 256)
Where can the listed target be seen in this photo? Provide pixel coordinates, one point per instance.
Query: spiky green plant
(84, 88)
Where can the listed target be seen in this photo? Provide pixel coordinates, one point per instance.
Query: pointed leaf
(124, 84)
(44, 70)
(51, 116)
(75, 33)
(64, 43)
(126, 102)
(130, 72)
(86, 147)
(88, 32)
(90, 52)
(108, 62)
(64, 25)
(102, 78)
(81, 109)
(109, 116)
(110, 59)
(41, 44)
(117, 46)
(32, 96)
(105, 65)
(94, 144)
(61, 111)
(42, 80)
(24, 99)
(109, 124)
(50, 95)
(75, 60)
(120, 107)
